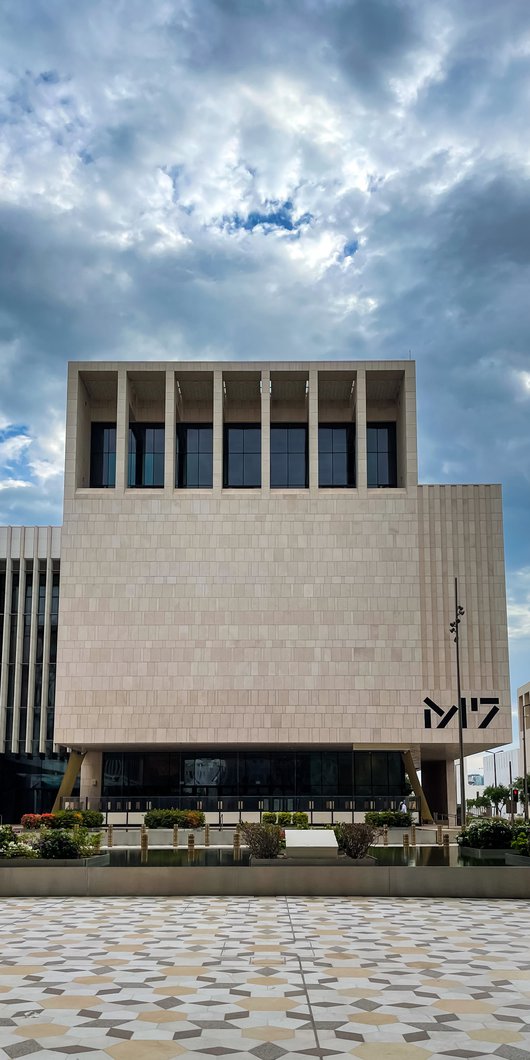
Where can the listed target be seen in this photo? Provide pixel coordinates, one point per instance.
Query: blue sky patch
(274, 214)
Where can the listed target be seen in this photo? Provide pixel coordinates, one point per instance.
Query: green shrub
(263, 840)
(486, 835)
(284, 818)
(61, 843)
(355, 839)
(268, 817)
(91, 818)
(169, 818)
(58, 843)
(64, 819)
(7, 835)
(300, 820)
(392, 818)
(521, 844)
(521, 838)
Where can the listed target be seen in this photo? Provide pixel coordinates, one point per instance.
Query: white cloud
(519, 604)
(14, 484)
(134, 132)
(13, 448)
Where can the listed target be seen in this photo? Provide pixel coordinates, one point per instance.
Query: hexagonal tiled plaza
(264, 978)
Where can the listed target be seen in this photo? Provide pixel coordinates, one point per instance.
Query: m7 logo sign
(447, 715)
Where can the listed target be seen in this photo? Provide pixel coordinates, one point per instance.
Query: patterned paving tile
(270, 979)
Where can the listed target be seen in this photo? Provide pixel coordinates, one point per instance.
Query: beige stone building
(255, 592)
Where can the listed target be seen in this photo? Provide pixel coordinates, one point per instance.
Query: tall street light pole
(453, 627)
(525, 767)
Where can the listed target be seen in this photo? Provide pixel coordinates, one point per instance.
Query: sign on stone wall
(446, 716)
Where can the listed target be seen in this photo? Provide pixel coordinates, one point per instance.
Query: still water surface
(418, 857)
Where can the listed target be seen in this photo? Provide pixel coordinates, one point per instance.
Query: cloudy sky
(215, 179)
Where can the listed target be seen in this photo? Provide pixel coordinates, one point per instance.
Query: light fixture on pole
(453, 628)
(525, 773)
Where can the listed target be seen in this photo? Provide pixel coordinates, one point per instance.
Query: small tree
(497, 794)
(519, 784)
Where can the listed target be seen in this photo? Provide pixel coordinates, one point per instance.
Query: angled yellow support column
(410, 770)
(71, 774)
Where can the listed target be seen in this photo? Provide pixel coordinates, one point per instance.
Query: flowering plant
(31, 821)
(11, 846)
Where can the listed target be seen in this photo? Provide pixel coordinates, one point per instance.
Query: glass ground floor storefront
(29, 784)
(255, 779)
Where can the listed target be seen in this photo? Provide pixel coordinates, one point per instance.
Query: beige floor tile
(89, 980)
(175, 990)
(41, 1030)
(147, 1050)
(500, 1035)
(464, 1004)
(267, 1004)
(391, 1051)
(74, 1001)
(269, 1034)
(376, 1018)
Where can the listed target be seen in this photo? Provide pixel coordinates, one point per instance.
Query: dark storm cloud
(234, 178)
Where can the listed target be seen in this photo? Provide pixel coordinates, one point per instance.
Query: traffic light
(515, 795)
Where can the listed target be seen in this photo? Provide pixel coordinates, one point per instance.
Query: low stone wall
(378, 881)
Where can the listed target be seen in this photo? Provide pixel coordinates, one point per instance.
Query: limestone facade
(316, 616)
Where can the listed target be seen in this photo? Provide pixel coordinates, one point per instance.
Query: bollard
(109, 836)
(413, 835)
(237, 845)
(439, 835)
(191, 846)
(207, 835)
(385, 835)
(406, 844)
(446, 843)
(144, 845)
(175, 835)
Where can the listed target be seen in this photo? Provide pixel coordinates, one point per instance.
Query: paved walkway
(264, 978)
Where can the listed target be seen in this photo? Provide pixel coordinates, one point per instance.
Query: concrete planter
(517, 859)
(386, 881)
(38, 863)
(480, 854)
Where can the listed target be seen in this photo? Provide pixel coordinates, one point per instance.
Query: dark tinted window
(242, 456)
(289, 456)
(194, 456)
(103, 454)
(381, 454)
(146, 454)
(336, 455)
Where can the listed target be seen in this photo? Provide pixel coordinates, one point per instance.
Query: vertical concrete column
(46, 646)
(266, 429)
(451, 790)
(408, 433)
(313, 428)
(122, 430)
(218, 429)
(4, 671)
(90, 782)
(33, 642)
(360, 429)
(169, 434)
(19, 642)
(73, 441)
